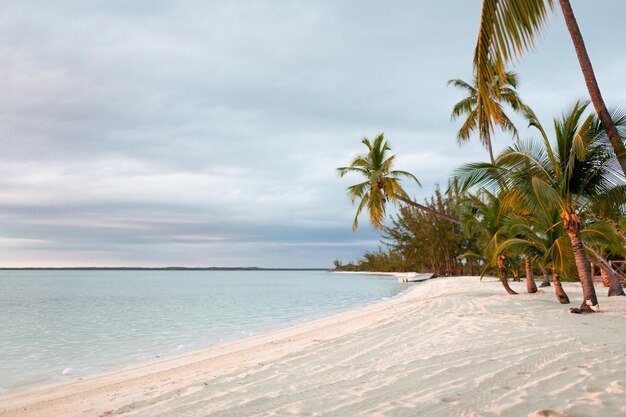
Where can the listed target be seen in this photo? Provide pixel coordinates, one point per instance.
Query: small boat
(413, 277)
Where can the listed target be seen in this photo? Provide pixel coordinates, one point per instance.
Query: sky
(207, 133)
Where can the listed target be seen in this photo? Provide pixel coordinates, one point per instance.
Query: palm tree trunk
(558, 288)
(615, 287)
(428, 210)
(592, 83)
(546, 277)
(609, 277)
(606, 281)
(503, 280)
(432, 263)
(531, 286)
(572, 227)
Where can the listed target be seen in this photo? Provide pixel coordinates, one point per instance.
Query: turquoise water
(57, 325)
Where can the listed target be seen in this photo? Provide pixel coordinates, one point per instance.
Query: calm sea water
(57, 325)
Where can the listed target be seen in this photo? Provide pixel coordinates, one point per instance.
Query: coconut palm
(582, 171)
(508, 28)
(484, 221)
(579, 170)
(483, 119)
(540, 238)
(599, 238)
(381, 185)
(516, 223)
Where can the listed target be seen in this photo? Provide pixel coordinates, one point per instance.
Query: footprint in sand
(450, 400)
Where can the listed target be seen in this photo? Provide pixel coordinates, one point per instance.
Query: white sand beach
(387, 274)
(449, 347)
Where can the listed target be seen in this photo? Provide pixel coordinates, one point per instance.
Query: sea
(56, 325)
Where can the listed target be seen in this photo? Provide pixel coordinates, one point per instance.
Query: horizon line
(162, 268)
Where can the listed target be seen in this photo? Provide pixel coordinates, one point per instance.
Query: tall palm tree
(381, 185)
(579, 170)
(508, 28)
(483, 119)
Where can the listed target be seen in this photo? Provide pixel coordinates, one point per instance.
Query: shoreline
(198, 321)
(418, 352)
(400, 276)
(388, 274)
(47, 392)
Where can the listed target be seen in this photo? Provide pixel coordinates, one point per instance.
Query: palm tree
(508, 28)
(529, 252)
(480, 118)
(583, 173)
(599, 237)
(484, 222)
(610, 210)
(381, 185)
(541, 239)
(579, 170)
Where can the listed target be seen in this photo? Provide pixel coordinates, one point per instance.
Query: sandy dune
(451, 347)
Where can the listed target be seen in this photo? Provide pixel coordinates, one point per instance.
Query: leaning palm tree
(484, 221)
(508, 28)
(610, 210)
(568, 178)
(598, 238)
(381, 185)
(518, 228)
(483, 119)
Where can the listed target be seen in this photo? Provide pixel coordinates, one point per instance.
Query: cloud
(208, 133)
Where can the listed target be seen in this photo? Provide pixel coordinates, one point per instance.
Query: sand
(450, 347)
(388, 274)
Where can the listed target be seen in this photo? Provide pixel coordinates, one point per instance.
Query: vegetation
(420, 241)
(541, 205)
(508, 28)
(554, 205)
(381, 185)
(482, 118)
(569, 177)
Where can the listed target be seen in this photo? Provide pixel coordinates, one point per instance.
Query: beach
(448, 347)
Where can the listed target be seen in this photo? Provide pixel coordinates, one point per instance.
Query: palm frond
(399, 173)
(507, 29)
(478, 174)
(546, 195)
(457, 82)
(603, 233)
(362, 204)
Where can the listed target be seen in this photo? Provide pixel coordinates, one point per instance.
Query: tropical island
(555, 203)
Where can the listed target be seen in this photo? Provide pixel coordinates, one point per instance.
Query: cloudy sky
(206, 133)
